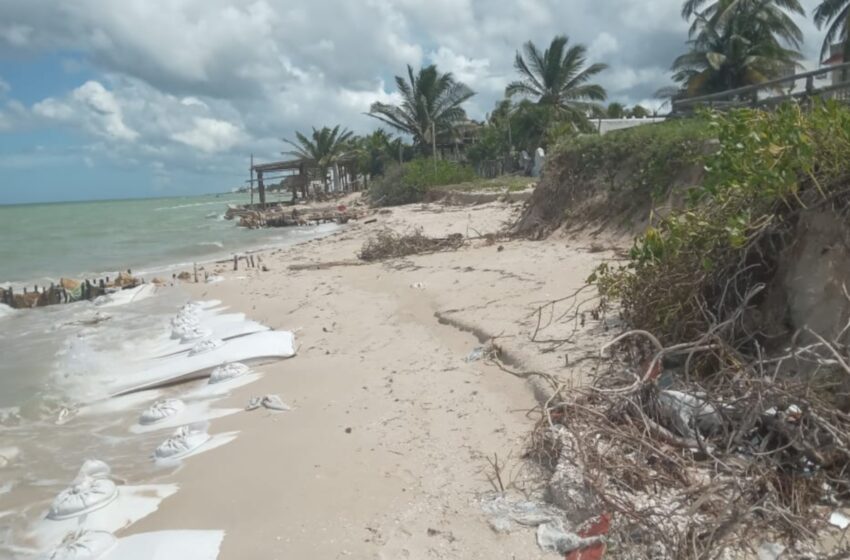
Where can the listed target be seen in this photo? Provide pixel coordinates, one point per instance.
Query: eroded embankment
(731, 386)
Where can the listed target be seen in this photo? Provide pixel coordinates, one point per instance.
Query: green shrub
(648, 151)
(698, 266)
(408, 183)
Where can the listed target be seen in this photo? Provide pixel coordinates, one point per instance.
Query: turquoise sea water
(42, 242)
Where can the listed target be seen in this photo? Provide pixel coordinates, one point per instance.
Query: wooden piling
(196, 272)
(235, 262)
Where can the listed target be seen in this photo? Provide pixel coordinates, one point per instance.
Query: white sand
(384, 452)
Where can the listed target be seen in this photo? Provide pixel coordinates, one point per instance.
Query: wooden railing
(749, 95)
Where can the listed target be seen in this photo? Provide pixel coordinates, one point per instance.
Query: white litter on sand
(839, 520)
(271, 402)
(84, 545)
(770, 551)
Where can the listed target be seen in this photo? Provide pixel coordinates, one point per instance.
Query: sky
(139, 98)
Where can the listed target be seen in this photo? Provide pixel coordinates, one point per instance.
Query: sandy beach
(384, 454)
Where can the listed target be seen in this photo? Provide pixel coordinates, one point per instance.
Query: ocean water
(42, 242)
(60, 364)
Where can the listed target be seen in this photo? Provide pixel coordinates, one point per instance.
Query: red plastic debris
(595, 527)
(341, 208)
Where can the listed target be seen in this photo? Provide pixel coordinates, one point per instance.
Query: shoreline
(385, 451)
(394, 424)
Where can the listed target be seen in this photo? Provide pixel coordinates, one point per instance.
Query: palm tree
(742, 44)
(431, 106)
(774, 15)
(324, 148)
(558, 78)
(836, 13)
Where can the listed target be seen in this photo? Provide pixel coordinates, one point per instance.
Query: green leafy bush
(698, 267)
(408, 183)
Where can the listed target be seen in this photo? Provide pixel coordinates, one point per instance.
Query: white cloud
(176, 81)
(92, 107)
(210, 135)
(4, 87)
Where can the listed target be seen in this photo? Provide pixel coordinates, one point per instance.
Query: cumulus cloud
(175, 81)
(210, 135)
(91, 106)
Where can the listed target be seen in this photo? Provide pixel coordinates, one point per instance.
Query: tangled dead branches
(387, 244)
(709, 468)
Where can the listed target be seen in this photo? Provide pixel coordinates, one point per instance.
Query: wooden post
(235, 262)
(251, 183)
(262, 188)
(196, 273)
(252, 261)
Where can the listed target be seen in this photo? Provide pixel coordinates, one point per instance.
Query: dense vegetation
(407, 183)
(695, 268)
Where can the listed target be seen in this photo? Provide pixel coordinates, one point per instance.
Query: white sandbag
(206, 345)
(183, 367)
(161, 410)
(86, 496)
(184, 441)
(87, 545)
(132, 504)
(226, 372)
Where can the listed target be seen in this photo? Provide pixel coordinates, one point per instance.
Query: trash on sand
(476, 354)
(839, 520)
(770, 551)
(418, 285)
(552, 533)
(503, 512)
(271, 402)
(596, 527)
(688, 414)
(553, 537)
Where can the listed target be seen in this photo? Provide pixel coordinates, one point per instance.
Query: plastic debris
(839, 520)
(271, 402)
(161, 410)
(85, 545)
(688, 413)
(226, 372)
(184, 441)
(476, 354)
(552, 536)
(770, 551)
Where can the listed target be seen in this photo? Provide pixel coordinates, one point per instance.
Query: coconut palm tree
(558, 78)
(430, 107)
(775, 15)
(743, 47)
(324, 148)
(835, 14)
